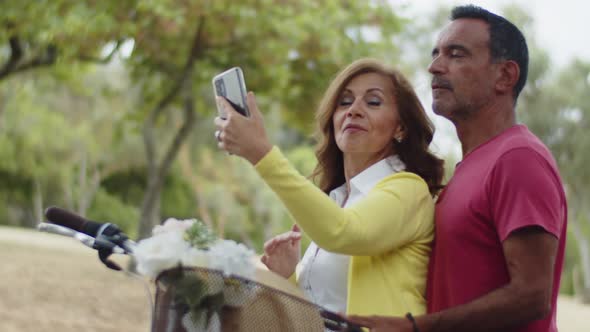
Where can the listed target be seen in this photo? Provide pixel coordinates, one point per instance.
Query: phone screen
(230, 85)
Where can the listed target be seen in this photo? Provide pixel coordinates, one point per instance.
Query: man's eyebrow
(450, 47)
(458, 47)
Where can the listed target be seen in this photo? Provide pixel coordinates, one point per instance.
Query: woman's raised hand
(241, 135)
(282, 252)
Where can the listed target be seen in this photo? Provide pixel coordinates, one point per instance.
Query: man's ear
(508, 74)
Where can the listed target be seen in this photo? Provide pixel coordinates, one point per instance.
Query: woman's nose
(355, 109)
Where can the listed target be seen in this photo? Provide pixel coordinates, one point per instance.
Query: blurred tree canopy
(127, 84)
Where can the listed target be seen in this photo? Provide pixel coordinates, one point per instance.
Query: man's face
(463, 74)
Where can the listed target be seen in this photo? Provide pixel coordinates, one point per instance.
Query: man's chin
(441, 109)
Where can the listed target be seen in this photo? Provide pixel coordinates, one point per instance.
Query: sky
(561, 27)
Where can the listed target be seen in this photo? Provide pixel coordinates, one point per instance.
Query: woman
(372, 235)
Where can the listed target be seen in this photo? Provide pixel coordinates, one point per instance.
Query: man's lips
(439, 83)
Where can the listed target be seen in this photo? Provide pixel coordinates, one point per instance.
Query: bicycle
(225, 302)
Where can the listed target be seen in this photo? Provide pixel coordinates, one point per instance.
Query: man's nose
(437, 65)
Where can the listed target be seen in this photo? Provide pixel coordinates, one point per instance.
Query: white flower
(173, 225)
(232, 258)
(195, 257)
(160, 252)
(171, 245)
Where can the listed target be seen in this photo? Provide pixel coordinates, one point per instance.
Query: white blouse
(323, 275)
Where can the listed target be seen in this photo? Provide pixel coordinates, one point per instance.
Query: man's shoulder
(519, 138)
(522, 140)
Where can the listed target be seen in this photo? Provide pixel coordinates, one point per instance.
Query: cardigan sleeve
(397, 211)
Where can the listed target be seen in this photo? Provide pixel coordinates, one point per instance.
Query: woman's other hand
(282, 252)
(240, 135)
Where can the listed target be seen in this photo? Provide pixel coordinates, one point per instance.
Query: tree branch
(157, 173)
(13, 65)
(106, 59)
(16, 53)
(154, 114)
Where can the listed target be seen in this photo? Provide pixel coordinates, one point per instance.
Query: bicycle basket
(192, 299)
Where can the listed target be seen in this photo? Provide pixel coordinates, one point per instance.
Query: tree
(53, 138)
(286, 48)
(61, 32)
(65, 38)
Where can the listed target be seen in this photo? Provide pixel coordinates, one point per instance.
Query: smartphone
(230, 85)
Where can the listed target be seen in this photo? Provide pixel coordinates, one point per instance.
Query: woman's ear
(508, 74)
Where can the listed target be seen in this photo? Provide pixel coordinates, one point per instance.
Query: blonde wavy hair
(412, 150)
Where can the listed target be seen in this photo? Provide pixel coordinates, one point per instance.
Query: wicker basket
(232, 304)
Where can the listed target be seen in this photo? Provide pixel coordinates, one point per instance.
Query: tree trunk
(187, 172)
(86, 191)
(150, 209)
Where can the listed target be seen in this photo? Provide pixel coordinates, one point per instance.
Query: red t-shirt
(505, 184)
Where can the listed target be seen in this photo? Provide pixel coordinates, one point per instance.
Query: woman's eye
(374, 102)
(346, 101)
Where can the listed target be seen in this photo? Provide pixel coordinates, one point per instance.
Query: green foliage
(199, 235)
(178, 201)
(109, 208)
(288, 49)
(128, 185)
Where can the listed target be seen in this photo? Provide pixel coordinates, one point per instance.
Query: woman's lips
(354, 128)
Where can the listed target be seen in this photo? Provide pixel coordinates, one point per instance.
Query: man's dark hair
(506, 41)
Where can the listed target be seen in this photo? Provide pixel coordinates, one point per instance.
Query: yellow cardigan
(388, 234)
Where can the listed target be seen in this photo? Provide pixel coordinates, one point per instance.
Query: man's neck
(483, 126)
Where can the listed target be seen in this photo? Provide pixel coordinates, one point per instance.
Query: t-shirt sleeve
(525, 190)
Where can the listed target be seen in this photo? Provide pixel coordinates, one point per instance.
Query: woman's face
(366, 119)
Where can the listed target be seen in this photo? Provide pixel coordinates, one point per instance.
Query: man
(501, 220)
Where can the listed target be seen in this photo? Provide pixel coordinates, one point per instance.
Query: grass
(52, 283)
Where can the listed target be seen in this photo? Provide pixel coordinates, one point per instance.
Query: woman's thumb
(295, 228)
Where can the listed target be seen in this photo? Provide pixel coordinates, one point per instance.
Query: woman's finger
(271, 245)
(253, 105)
(219, 122)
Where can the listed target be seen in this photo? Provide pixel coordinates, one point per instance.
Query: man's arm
(530, 257)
